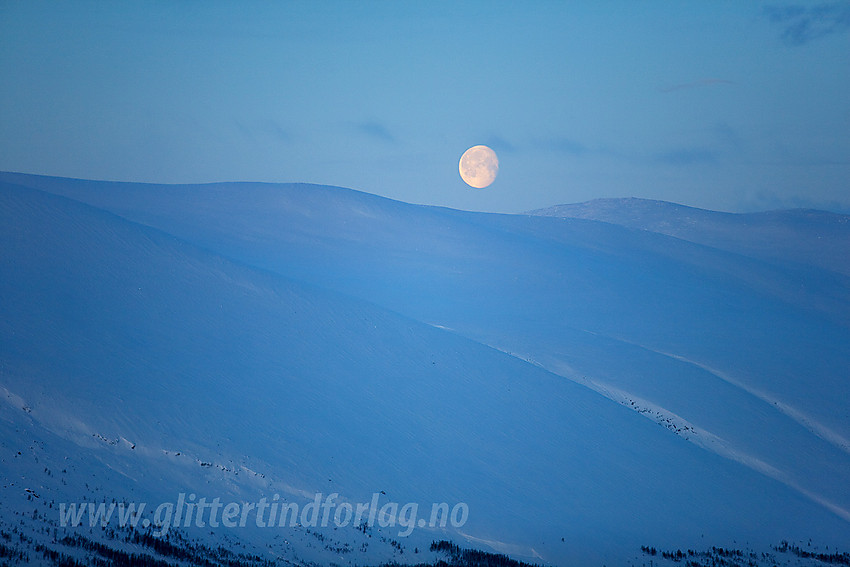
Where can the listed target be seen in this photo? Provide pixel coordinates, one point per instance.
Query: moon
(479, 166)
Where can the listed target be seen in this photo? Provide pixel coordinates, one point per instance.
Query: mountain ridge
(798, 233)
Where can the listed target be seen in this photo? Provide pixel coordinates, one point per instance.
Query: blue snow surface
(587, 379)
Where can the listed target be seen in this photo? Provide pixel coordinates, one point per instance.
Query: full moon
(479, 166)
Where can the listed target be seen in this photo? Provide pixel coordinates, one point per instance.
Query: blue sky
(733, 106)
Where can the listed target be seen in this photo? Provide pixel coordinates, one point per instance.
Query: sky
(733, 106)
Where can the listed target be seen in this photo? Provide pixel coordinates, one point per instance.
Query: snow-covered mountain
(584, 387)
(810, 237)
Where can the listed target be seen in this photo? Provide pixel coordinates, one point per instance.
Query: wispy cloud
(277, 131)
(266, 129)
(802, 24)
(500, 144)
(375, 130)
(696, 84)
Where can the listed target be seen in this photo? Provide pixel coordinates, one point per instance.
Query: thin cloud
(376, 131)
(802, 24)
(696, 84)
(265, 129)
(500, 144)
(277, 131)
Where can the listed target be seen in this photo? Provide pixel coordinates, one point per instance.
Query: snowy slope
(760, 339)
(811, 237)
(200, 341)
